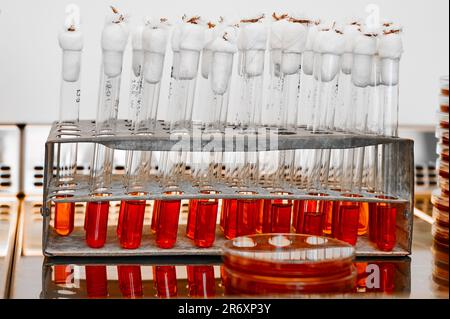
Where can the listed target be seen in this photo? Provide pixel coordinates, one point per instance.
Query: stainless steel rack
(400, 156)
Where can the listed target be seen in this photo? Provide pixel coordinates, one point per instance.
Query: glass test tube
(187, 43)
(71, 43)
(287, 42)
(252, 46)
(138, 170)
(307, 88)
(114, 39)
(166, 212)
(383, 216)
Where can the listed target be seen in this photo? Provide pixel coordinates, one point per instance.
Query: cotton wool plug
(114, 40)
(71, 42)
(155, 38)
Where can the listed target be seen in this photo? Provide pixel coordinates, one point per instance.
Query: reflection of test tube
(96, 281)
(71, 42)
(287, 43)
(154, 38)
(165, 279)
(221, 68)
(252, 43)
(130, 281)
(201, 280)
(188, 40)
(114, 40)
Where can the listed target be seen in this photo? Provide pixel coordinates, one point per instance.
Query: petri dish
(288, 255)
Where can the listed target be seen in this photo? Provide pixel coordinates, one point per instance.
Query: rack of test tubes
(310, 146)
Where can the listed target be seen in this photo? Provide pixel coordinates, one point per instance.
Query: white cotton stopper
(176, 35)
(331, 45)
(253, 41)
(350, 33)
(222, 50)
(192, 37)
(364, 50)
(390, 50)
(114, 41)
(375, 72)
(138, 55)
(154, 44)
(290, 38)
(206, 62)
(253, 36)
(308, 62)
(71, 42)
(308, 55)
(221, 69)
(192, 41)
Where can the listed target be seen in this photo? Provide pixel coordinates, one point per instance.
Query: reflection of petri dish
(254, 284)
(289, 255)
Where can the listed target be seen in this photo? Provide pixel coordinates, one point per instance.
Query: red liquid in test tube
(298, 216)
(167, 223)
(230, 222)
(155, 215)
(223, 216)
(132, 223)
(96, 223)
(205, 223)
(276, 216)
(165, 279)
(190, 227)
(346, 220)
(202, 282)
(312, 216)
(120, 219)
(130, 281)
(387, 226)
(246, 216)
(64, 218)
(96, 281)
(373, 222)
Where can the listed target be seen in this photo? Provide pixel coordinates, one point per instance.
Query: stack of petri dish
(440, 196)
(277, 264)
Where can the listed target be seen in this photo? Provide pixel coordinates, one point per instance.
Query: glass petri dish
(288, 255)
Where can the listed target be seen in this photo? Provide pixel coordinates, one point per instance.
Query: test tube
(154, 38)
(252, 43)
(130, 281)
(222, 50)
(383, 216)
(188, 40)
(165, 279)
(71, 43)
(287, 43)
(96, 281)
(344, 110)
(329, 47)
(114, 40)
(166, 212)
(307, 89)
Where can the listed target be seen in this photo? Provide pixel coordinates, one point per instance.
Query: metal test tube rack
(400, 157)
